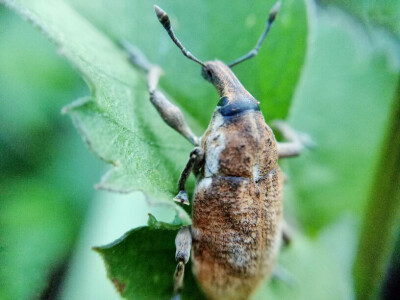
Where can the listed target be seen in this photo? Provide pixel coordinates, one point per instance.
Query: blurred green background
(330, 67)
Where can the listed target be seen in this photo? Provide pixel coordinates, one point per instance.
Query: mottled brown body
(237, 207)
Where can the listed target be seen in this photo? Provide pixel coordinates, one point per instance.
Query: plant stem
(381, 220)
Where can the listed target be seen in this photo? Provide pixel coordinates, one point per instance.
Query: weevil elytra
(237, 219)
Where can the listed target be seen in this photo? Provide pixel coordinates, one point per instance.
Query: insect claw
(182, 197)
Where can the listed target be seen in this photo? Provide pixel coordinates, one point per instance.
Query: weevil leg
(183, 243)
(169, 112)
(296, 141)
(195, 159)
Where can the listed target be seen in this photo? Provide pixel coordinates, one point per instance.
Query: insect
(237, 219)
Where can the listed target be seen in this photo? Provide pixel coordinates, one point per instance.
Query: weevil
(237, 223)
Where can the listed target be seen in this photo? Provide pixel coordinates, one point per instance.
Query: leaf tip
(77, 103)
(119, 286)
(96, 249)
(152, 221)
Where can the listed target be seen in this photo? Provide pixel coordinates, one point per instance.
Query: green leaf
(117, 122)
(141, 264)
(384, 209)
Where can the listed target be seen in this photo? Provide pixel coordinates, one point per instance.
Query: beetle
(237, 224)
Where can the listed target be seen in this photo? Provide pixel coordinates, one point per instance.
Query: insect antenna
(165, 22)
(253, 52)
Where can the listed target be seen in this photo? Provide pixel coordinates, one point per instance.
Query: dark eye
(223, 101)
(207, 74)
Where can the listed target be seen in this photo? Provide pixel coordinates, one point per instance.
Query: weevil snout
(234, 98)
(221, 76)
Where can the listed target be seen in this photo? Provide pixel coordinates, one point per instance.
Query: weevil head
(234, 98)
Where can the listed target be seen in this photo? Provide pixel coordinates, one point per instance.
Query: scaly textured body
(237, 206)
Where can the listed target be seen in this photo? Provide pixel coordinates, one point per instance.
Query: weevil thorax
(237, 142)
